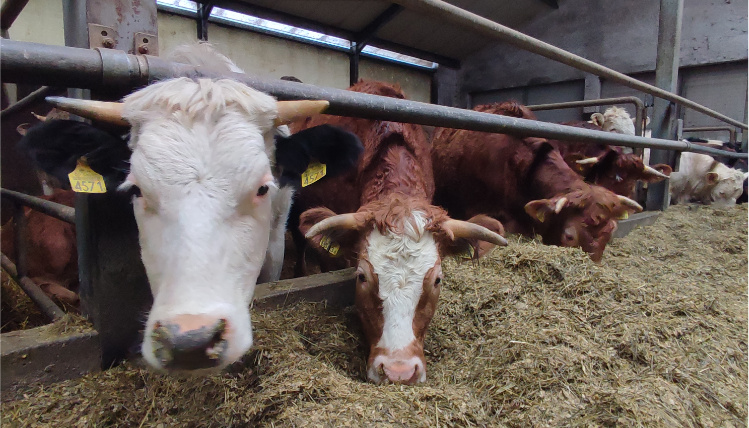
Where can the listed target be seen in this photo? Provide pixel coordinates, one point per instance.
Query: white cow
(209, 206)
(704, 180)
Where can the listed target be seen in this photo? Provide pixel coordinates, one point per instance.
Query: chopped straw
(531, 335)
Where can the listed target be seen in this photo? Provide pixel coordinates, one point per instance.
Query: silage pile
(656, 335)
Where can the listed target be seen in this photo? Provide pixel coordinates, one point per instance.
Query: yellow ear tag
(83, 179)
(329, 245)
(624, 216)
(315, 171)
(540, 216)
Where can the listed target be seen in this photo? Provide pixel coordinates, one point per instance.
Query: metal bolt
(143, 49)
(108, 42)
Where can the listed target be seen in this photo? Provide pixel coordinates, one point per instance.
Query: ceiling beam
(308, 24)
(363, 37)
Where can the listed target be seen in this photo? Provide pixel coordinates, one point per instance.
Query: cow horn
(289, 111)
(652, 171)
(104, 111)
(587, 161)
(560, 204)
(629, 202)
(348, 221)
(468, 230)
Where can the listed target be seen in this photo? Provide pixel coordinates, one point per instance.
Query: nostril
(190, 342)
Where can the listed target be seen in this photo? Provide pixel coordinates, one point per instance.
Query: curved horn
(652, 171)
(587, 161)
(560, 204)
(464, 229)
(289, 111)
(96, 110)
(629, 202)
(348, 221)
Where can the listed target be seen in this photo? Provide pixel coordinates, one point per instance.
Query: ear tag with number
(329, 245)
(624, 216)
(83, 179)
(314, 172)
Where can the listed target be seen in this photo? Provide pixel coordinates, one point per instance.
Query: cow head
(726, 185)
(618, 171)
(583, 218)
(615, 119)
(202, 173)
(397, 246)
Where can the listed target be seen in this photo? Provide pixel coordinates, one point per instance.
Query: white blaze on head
(401, 261)
(729, 187)
(618, 120)
(202, 152)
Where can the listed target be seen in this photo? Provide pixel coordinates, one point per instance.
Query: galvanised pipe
(10, 11)
(45, 304)
(639, 107)
(490, 28)
(731, 131)
(83, 68)
(52, 209)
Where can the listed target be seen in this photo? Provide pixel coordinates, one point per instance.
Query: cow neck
(549, 175)
(395, 167)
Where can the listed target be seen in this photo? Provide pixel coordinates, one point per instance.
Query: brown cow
(600, 164)
(527, 185)
(51, 253)
(393, 234)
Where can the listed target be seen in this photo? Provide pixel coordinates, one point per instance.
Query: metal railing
(731, 131)
(635, 101)
(19, 270)
(490, 28)
(24, 62)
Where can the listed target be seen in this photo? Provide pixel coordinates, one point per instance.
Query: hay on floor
(656, 335)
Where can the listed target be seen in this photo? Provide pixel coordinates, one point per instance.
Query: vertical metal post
(354, 64)
(666, 77)
(114, 288)
(204, 12)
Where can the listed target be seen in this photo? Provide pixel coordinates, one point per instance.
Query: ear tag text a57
(314, 172)
(83, 179)
(329, 245)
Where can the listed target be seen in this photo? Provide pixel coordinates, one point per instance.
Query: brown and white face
(398, 282)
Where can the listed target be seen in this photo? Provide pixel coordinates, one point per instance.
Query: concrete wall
(621, 35)
(39, 22)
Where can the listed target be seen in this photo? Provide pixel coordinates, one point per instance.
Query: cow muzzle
(190, 342)
(407, 371)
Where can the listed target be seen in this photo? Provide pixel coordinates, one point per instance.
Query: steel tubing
(490, 28)
(53, 65)
(731, 131)
(45, 304)
(52, 209)
(639, 107)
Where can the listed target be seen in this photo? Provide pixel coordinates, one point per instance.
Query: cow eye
(361, 277)
(437, 281)
(262, 190)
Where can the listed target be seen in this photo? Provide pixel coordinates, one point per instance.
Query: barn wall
(623, 36)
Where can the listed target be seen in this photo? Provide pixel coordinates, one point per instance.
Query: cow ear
(597, 119)
(337, 149)
(55, 146)
(335, 241)
(470, 248)
(712, 177)
(543, 209)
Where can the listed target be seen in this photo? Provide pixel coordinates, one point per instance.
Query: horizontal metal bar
(589, 103)
(24, 102)
(731, 131)
(49, 64)
(10, 11)
(45, 304)
(490, 28)
(52, 209)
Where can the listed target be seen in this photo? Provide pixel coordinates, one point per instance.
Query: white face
(203, 218)
(619, 124)
(401, 262)
(728, 189)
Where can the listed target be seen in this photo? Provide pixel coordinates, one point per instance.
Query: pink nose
(399, 372)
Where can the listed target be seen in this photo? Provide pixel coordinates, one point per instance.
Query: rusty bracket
(101, 36)
(146, 44)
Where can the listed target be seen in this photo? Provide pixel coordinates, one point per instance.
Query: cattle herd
(215, 171)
